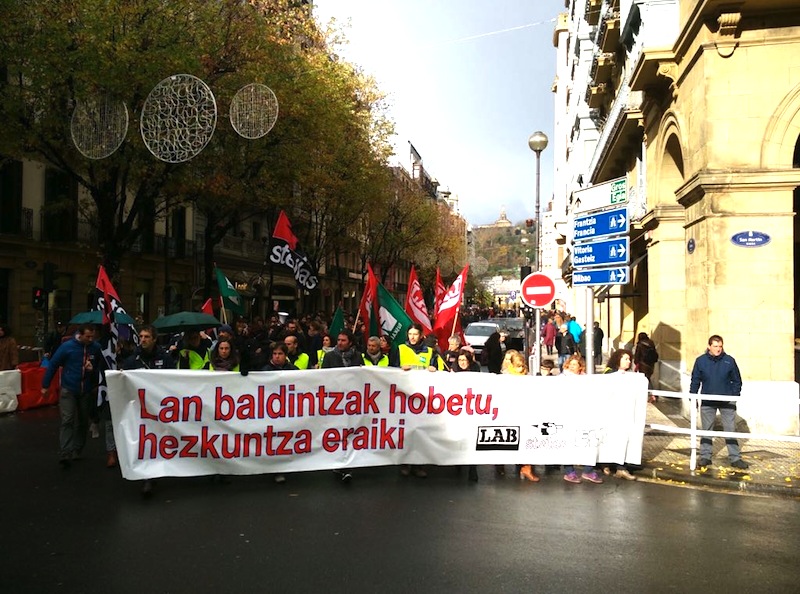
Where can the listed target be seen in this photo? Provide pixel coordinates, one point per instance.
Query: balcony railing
(609, 33)
(602, 67)
(593, 11)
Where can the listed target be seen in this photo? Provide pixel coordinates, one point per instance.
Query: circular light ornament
(178, 118)
(254, 111)
(98, 126)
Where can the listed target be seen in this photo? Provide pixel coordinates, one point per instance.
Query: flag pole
(355, 324)
(223, 315)
(455, 320)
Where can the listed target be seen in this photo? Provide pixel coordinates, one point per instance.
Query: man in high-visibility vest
(374, 355)
(415, 355)
(296, 356)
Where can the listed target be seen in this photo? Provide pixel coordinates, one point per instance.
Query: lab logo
(497, 438)
(547, 428)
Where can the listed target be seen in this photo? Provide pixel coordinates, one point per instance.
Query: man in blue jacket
(81, 358)
(716, 372)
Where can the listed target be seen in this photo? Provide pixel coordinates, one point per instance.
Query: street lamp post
(537, 143)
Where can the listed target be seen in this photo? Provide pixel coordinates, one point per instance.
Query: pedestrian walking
(80, 357)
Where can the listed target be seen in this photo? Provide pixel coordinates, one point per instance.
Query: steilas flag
(447, 313)
(415, 302)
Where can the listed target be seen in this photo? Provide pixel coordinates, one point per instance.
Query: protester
(450, 356)
(374, 355)
(344, 355)
(279, 360)
(493, 351)
(194, 353)
(80, 358)
(565, 345)
(224, 356)
(148, 355)
(620, 361)
(573, 366)
(327, 346)
(296, 355)
(466, 362)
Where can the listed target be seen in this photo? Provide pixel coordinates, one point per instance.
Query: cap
(225, 328)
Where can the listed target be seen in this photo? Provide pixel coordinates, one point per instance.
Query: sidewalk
(774, 466)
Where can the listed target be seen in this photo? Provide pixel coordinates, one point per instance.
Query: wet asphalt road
(88, 530)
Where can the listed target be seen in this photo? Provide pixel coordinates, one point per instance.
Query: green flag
(230, 298)
(394, 319)
(337, 324)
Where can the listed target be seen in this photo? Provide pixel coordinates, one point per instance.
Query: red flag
(368, 301)
(447, 313)
(103, 284)
(415, 302)
(283, 230)
(208, 307)
(438, 291)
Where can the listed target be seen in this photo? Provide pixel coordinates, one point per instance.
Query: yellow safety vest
(421, 360)
(301, 362)
(382, 362)
(195, 360)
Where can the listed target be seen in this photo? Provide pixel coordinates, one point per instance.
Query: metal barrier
(695, 401)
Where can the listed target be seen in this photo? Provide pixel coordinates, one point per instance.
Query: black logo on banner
(497, 438)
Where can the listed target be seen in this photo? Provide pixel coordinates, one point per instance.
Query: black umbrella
(185, 321)
(96, 317)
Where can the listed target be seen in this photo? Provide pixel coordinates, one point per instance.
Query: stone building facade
(697, 104)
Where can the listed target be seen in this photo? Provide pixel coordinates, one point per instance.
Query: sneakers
(111, 459)
(279, 478)
(572, 477)
(740, 464)
(606, 470)
(343, 475)
(701, 462)
(624, 474)
(591, 477)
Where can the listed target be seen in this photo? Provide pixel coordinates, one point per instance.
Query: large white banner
(188, 423)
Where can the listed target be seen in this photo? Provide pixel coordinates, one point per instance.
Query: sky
(468, 82)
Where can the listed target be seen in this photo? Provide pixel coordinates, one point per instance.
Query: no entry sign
(537, 290)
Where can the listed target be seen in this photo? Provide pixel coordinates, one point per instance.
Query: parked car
(477, 333)
(515, 332)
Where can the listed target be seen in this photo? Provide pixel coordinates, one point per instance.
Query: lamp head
(537, 142)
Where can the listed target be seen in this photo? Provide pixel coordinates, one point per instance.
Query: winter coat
(716, 375)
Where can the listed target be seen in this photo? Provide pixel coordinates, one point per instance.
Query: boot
(526, 473)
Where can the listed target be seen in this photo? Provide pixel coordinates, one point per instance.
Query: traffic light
(38, 298)
(50, 275)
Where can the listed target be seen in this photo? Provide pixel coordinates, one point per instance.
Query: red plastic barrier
(32, 376)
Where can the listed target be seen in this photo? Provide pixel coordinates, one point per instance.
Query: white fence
(785, 411)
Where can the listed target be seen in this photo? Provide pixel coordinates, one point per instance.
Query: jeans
(708, 415)
(74, 409)
(570, 468)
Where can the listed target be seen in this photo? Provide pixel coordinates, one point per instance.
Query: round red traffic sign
(537, 290)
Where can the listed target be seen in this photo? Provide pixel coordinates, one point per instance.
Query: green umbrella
(96, 317)
(186, 321)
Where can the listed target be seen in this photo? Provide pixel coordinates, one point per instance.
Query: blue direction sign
(610, 252)
(601, 276)
(601, 224)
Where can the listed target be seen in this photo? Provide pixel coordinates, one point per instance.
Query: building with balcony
(697, 105)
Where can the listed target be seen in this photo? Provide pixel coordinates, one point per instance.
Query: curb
(735, 482)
